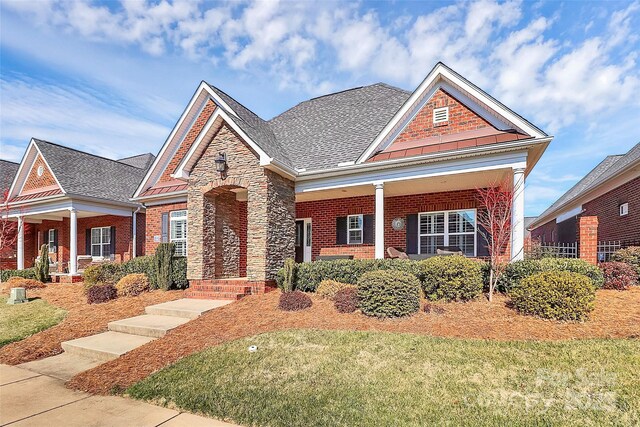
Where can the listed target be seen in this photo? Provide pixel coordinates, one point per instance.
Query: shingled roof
(141, 161)
(8, 171)
(609, 167)
(85, 174)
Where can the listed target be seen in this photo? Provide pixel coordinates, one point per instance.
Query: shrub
(329, 288)
(346, 299)
(388, 293)
(92, 274)
(164, 264)
(21, 282)
(27, 273)
(630, 255)
(516, 271)
(108, 272)
(132, 285)
(576, 266)
(179, 273)
(310, 274)
(432, 308)
(560, 295)
(289, 275)
(452, 278)
(42, 264)
(142, 264)
(101, 293)
(618, 275)
(294, 301)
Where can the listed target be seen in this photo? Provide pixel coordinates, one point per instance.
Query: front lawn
(348, 378)
(22, 320)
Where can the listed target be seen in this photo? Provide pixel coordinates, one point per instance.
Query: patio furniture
(396, 253)
(449, 250)
(333, 257)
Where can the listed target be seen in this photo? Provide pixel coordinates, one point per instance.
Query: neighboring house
(7, 252)
(350, 173)
(610, 192)
(78, 204)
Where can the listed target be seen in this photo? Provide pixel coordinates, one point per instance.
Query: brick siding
(35, 182)
(612, 226)
(588, 238)
(461, 119)
(154, 224)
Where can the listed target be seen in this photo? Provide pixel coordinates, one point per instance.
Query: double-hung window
(449, 228)
(51, 240)
(101, 242)
(178, 231)
(354, 229)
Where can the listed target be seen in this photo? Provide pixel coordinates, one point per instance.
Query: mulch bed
(82, 319)
(617, 315)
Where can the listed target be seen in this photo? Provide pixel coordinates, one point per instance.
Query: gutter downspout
(135, 232)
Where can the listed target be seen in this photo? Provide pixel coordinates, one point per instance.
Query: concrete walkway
(31, 399)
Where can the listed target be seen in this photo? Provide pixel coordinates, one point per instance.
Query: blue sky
(113, 77)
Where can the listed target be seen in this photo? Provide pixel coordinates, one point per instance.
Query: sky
(112, 78)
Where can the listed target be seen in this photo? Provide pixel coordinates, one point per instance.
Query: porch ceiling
(436, 184)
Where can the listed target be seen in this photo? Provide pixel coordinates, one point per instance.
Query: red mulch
(82, 319)
(617, 315)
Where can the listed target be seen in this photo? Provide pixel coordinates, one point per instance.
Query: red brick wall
(34, 181)
(323, 214)
(611, 225)
(460, 119)
(193, 133)
(154, 224)
(545, 232)
(588, 237)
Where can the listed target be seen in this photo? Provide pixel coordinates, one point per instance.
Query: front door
(300, 241)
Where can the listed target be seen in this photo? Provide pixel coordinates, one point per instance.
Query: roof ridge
(239, 103)
(9, 161)
(84, 152)
(137, 155)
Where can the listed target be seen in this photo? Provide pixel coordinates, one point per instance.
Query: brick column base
(588, 238)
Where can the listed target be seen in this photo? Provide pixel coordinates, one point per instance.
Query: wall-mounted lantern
(221, 163)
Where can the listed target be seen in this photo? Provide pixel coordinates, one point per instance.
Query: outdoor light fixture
(221, 162)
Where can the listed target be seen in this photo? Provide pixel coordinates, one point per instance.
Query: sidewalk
(31, 399)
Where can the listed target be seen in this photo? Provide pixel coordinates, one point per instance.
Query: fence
(607, 248)
(536, 250)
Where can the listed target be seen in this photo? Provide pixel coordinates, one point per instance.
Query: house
(7, 251)
(78, 204)
(610, 193)
(349, 173)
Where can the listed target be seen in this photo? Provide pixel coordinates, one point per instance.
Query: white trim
(23, 178)
(623, 209)
(441, 71)
(186, 229)
(569, 214)
(51, 242)
(180, 198)
(379, 221)
(446, 234)
(101, 244)
(307, 250)
(361, 229)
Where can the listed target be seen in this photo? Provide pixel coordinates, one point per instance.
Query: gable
(35, 182)
(461, 119)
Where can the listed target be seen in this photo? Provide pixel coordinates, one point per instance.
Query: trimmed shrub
(388, 293)
(329, 288)
(516, 271)
(179, 273)
(42, 264)
(101, 293)
(132, 285)
(559, 295)
(92, 275)
(108, 272)
(346, 299)
(27, 273)
(576, 266)
(164, 265)
(618, 275)
(289, 275)
(630, 255)
(21, 282)
(294, 301)
(433, 309)
(310, 274)
(452, 278)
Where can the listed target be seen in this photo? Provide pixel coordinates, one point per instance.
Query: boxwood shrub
(113, 272)
(516, 271)
(388, 293)
(452, 278)
(27, 273)
(310, 274)
(329, 288)
(559, 295)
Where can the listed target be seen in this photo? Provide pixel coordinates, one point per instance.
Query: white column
(73, 244)
(20, 243)
(379, 220)
(517, 216)
(134, 237)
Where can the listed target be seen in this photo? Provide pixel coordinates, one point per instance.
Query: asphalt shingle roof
(8, 171)
(610, 166)
(85, 174)
(141, 161)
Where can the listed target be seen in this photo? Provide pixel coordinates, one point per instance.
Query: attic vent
(624, 209)
(441, 115)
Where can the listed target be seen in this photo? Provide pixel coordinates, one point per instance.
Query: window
(52, 241)
(178, 231)
(354, 229)
(624, 209)
(450, 228)
(440, 115)
(101, 242)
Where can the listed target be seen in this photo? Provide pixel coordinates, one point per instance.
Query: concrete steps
(185, 308)
(147, 325)
(105, 346)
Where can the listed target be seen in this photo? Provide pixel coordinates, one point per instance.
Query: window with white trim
(447, 228)
(51, 239)
(178, 231)
(624, 209)
(354, 229)
(101, 242)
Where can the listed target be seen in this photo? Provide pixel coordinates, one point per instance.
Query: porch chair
(396, 253)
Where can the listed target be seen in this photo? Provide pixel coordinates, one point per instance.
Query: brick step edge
(222, 288)
(214, 295)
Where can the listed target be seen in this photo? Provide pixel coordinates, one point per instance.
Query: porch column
(73, 244)
(134, 232)
(20, 248)
(517, 216)
(379, 220)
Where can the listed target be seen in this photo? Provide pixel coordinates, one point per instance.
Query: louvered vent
(440, 115)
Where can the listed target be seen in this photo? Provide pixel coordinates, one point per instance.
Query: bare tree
(8, 229)
(494, 222)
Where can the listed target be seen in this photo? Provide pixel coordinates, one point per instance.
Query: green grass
(22, 320)
(339, 378)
